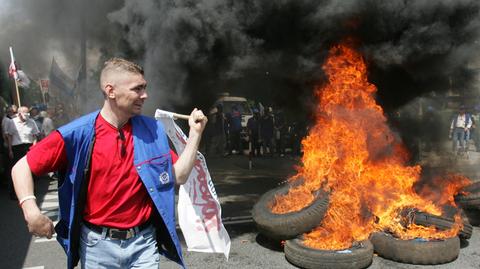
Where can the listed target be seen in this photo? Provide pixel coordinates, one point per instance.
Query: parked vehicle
(228, 102)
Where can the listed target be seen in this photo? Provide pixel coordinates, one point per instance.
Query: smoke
(270, 51)
(41, 30)
(274, 51)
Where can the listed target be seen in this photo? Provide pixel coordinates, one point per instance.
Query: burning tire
(416, 251)
(358, 256)
(289, 225)
(470, 200)
(442, 223)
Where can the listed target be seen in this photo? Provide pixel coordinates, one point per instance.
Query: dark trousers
(18, 152)
(235, 142)
(255, 144)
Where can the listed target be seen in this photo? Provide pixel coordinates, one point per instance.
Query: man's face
(130, 92)
(23, 115)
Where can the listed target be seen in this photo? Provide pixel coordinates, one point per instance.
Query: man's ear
(109, 91)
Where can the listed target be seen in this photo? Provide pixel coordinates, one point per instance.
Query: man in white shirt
(460, 130)
(22, 133)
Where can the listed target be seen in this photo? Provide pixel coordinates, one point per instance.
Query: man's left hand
(197, 121)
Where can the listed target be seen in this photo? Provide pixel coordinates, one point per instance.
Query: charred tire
(442, 223)
(470, 200)
(473, 216)
(416, 252)
(289, 225)
(359, 256)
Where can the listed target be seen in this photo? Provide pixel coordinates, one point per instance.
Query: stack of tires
(469, 201)
(421, 251)
(291, 226)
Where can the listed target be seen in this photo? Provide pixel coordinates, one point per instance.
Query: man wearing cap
(459, 130)
(117, 179)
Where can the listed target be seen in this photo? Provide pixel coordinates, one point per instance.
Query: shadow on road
(14, 233)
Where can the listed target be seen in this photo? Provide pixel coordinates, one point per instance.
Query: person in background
(22, 134)
(118, 176)
(266, 131)
(217, 146)
(474, 130)
(35, 116)
(235, 128)
(61, 117)
(10, 112)
(460, 131)
(47, 123)
(253, 126)
(279, 125)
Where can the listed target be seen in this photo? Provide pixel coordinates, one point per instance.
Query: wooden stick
(181, 116)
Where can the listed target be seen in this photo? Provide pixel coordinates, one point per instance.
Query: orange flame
(352, 153)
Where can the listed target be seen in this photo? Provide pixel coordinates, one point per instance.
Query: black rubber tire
(473, 216)
(298, 254)
(289, 225)
(442, 223)
(470, 200)
(416, 252)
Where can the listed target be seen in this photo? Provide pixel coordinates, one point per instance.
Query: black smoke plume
(273, 51)
(270, 51)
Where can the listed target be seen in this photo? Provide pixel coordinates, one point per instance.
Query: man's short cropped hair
(122, 64)
(115, 65)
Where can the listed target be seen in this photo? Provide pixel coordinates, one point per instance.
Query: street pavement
(238, 189)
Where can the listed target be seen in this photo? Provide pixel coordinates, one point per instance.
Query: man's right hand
(38, 224)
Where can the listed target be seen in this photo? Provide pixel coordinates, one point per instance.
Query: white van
(228, 102)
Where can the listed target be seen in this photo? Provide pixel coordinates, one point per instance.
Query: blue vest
(153, 163)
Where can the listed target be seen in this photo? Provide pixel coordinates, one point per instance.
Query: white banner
(199, 212)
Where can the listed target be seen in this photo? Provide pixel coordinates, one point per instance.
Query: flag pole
(16, 83)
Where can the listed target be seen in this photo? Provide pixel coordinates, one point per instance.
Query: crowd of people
(21, 128)
(265, 133)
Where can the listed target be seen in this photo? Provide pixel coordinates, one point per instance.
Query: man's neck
(113, 118)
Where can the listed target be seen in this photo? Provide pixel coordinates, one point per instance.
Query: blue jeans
(460, 136)
(99, 251)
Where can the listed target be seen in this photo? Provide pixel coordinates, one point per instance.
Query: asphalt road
(238, 189)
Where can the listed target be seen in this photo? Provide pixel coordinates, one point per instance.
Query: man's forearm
(23, 184)
(183, 166)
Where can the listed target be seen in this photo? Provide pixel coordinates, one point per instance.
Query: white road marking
(49, 204)
(44, 239)
(51, 196)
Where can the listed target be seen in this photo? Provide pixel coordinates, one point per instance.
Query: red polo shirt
(116, 196)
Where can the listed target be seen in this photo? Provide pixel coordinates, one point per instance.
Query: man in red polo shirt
(116, 231)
